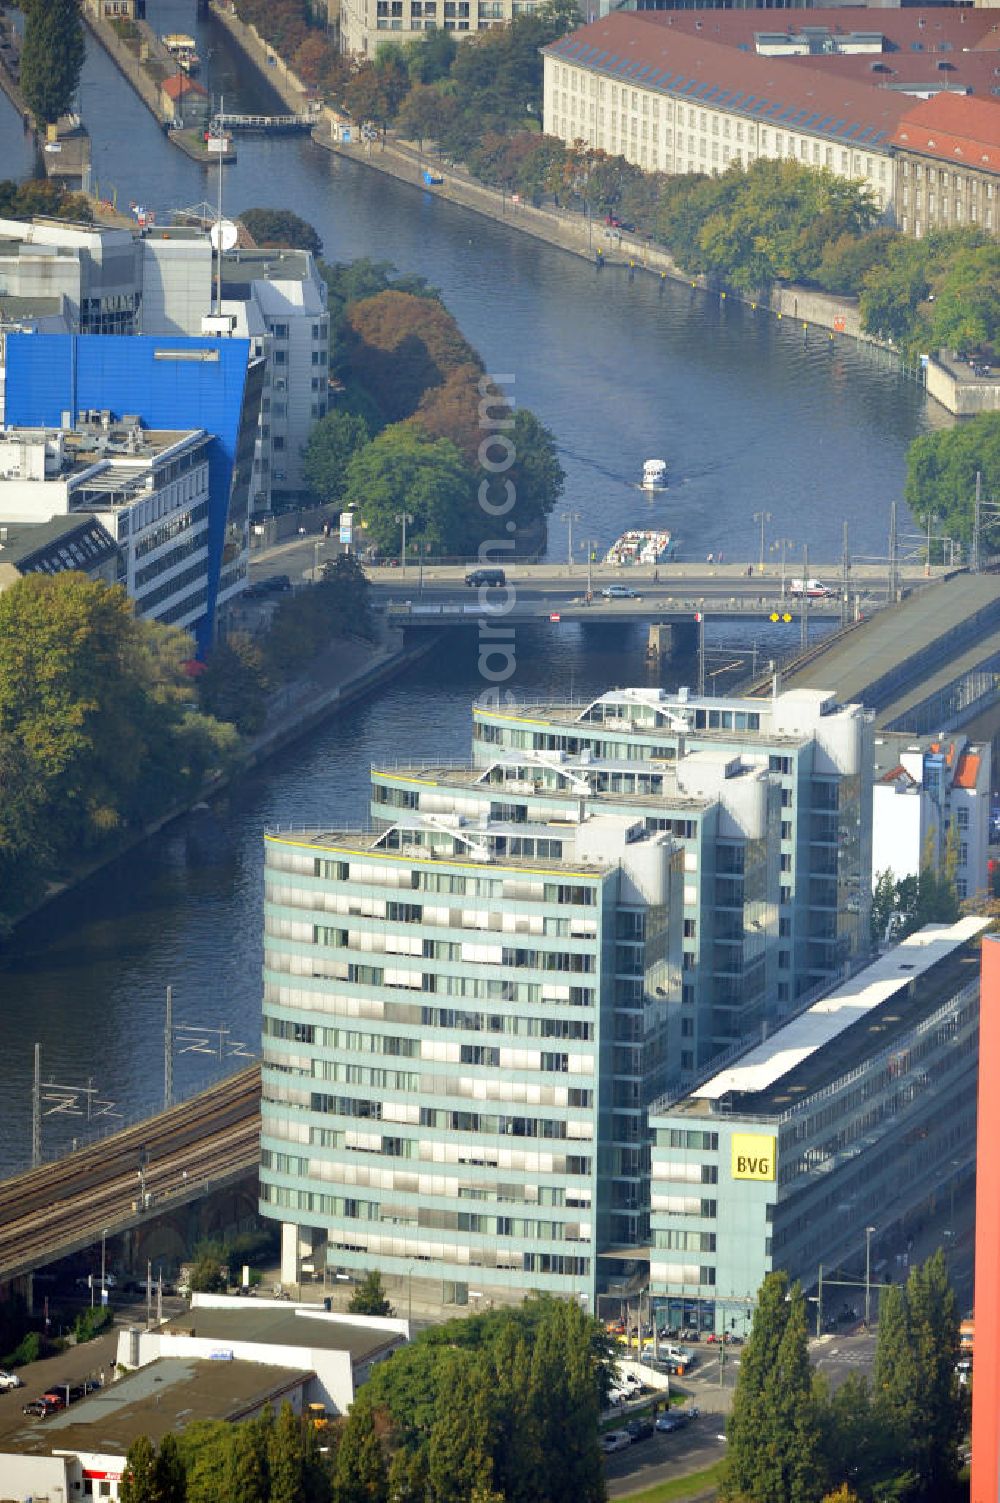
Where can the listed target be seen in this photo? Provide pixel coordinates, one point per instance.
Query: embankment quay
(121, 1182)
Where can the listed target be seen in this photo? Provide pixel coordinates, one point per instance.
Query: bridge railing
(737, 605)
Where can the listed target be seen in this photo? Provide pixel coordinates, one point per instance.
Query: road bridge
(674, 595)
(929, 664)
(205, 1144)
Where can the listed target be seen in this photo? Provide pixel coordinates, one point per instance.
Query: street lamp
(869, 1232)
(317, 545)
(104, 1289)
(783, 544)
(404, 517)
(590, 569)
(569, 517)
(762, 517)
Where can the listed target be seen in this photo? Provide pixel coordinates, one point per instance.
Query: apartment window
(963, 853)
(280, 357)
(279, 331)
(962, 887)
(962, 818)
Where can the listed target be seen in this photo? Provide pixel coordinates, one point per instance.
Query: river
(752, 415)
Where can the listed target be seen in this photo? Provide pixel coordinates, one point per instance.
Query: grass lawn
(679, 1488)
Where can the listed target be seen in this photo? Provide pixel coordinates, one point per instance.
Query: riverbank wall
(294, 94)
(589, 238)
(301, 706)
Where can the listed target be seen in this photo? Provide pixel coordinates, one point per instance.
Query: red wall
(986, 1377)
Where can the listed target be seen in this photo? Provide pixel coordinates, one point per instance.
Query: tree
(139, 1473)
(234, 684)
(774, 1453)
(98, 726)
(170, 1473)
(42, 196)
(51, 57)
(459, 1456)
(941, 470)
(207, 1277)
(403, 470)
(332, 443)
(429, 57)
(286, 1461)
(425, 111)
(248, 1478)
(345, 597)
(280, 227)
(398, 345)
(360, 1472)
(369, 1297)
(918, 1398)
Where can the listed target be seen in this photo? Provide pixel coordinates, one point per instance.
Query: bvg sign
(753, 1156)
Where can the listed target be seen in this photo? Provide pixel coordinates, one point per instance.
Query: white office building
(149, 490)
(931, 806)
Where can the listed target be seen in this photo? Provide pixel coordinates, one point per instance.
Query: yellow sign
(753, 1155)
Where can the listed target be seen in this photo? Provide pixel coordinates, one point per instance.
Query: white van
(815, 589)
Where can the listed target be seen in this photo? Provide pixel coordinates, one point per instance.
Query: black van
(479, 577)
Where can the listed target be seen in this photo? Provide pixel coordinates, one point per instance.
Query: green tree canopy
(280, 227)
(941, 470)
(775, 1450)
(405, 471)
(99, 728)
(139, 1473)
(917, 1396)
(369, 1297)
(333, 441)
(51, 57)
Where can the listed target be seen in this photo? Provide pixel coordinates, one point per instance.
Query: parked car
(658, 1364)
(639, 1429)
(676, 1419)
(619, 592)
(49, 1403)
(615, 1440)
(690, 1333)
(668, 1333)
(274, 584)
(9, 1381)
(480, 577)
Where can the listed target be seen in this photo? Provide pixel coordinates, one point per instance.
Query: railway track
(210, 1139)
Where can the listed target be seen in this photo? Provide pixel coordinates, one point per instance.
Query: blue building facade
(168, 382)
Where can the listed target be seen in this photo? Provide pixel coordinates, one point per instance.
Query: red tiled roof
(641, 48)
(968, 770)
(178, 84)
(903, 30)
(953, 128)
(898, 774)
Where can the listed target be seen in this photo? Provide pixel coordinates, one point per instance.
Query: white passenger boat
(654, 474)
(641, 546)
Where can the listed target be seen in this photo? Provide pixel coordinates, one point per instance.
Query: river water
(752, 415)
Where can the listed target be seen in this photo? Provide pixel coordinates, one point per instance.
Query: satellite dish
(223, 235)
